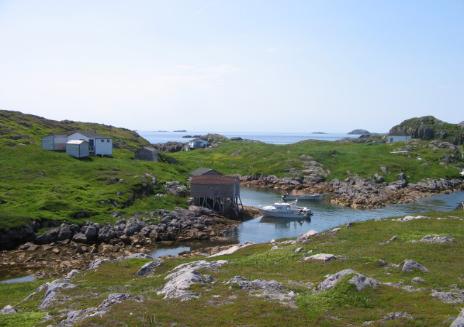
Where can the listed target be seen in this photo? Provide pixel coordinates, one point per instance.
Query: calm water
(16, 280)
(326, 216)
(272, 138)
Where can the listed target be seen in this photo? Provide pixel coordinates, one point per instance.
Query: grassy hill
(360, 247)
(341, 158)
(39, 184)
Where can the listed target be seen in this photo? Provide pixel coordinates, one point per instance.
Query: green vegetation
(361, 245)
(340, 158)
(38, 184)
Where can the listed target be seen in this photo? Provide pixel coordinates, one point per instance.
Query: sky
(282, 66)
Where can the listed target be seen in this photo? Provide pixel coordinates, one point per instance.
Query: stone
(437, 239)
(321, 257)
(268, 289)
(298, 250)
(79, 238)
(75, 316)
(455, 296)
(410, 218)
(306, 236)
(232, 249)
(97, 263)
(7, 310)
(459, 321)
(358, 280)
(182, 277)
(148, 268)
(65, 232)
(418, 280)
(106, 233)
(134, 225)
(52, 291)
(91, 233)
(411, 265)
(398, 315)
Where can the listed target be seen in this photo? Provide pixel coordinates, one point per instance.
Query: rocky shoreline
(356, 192)
(69, 246)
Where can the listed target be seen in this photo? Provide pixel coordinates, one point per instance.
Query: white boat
(286, 210)
(302, 197)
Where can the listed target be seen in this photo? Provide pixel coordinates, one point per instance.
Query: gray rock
(321, 257)
(7, 310)
(76, 316)
(71, 274)
(268, 289)
(455, 296)
(411, 265)
(97, 263)
(134, 225)
(358, 280)
(398, 315)
(52, 291)
(148, 268)
(106, 233)
(418, 280)
(65, 232)
(459, 321)
(183, 276)
(91, 233)
(79, 238)
(437, 239)
(306, 236)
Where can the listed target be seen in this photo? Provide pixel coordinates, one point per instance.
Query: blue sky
(288, 66)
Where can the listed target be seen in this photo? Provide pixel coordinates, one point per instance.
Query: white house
(98, 145)
(198, 144)
(77, 148)
(54, 142)
(397, 138)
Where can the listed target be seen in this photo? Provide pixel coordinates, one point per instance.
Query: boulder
(268, 289)
(398, 315)
(182, 277)
(106, 233)
(91, 233)
(7, 310)
(459, 321)
(455, 296)
(306, 236)
(80, 238)
(411, 265)
(148, 268)
(134, 225)
(321, 257)
(437, 239)
(358, 280)
(52, 291)
(65, 232)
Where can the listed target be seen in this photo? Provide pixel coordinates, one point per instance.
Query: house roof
(201, 171)
(92, 135)
(214, 180)
(149, 148)
(78, 142)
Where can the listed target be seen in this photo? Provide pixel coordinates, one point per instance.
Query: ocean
(271, 138)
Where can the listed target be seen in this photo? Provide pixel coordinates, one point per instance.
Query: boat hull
(287, 215)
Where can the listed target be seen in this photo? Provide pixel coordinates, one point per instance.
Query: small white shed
(98, 144)
(54, 142)
(77, 148)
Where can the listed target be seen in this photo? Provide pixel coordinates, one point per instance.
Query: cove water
(325, 216)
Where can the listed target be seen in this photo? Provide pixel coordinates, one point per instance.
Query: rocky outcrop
(8, 310)
(459, 321)
(358, 280)
(428, 128)
(75, 316)
(324, 257)
(454, 296)
(9, 239)
(182, 277)
(232, 249)
(359, 132)
(411, 265)
(148, 268)
(52, 292)
(437, 239)
(268, 289)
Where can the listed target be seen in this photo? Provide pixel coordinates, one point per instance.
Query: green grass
(220, 304)
(341, 158)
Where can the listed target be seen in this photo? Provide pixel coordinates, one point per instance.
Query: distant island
(318, 133)
(180, 131)
(359, 132)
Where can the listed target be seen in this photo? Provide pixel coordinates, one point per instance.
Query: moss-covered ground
(361, 245)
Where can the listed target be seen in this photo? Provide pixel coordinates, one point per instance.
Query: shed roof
(149, 148)
(215, 180)
(92, 135)
(202, 171)
(78, 142)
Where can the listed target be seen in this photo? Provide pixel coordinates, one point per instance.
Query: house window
(102, 141)
(108, 141)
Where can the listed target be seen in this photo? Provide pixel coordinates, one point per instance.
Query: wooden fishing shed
(217, 192)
